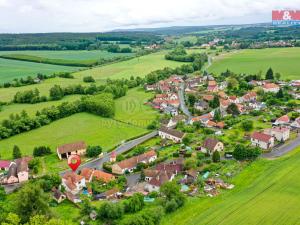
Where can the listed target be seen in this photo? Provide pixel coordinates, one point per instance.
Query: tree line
(101, 104)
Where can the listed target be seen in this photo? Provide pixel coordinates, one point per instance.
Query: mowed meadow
(266, 192)
(282, 60)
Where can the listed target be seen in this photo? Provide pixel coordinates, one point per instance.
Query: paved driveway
(98, 163)
(183, 106)
(283, 149)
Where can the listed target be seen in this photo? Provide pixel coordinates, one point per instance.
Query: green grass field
(134, 67)
(69, 58)
(10, 69)
(266, 192)
(93, 129)
(131, 108)
(69, 55)
(31, 109)
(283, 60)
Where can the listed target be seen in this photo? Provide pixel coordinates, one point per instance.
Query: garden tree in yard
(233, 109)
(242, 152)
(270, 74)
(30, 201)
(187, 139)
(247, 125)
(217, 115)
(277, 76)
(49, 181)
(191, 99)
(171, 191)
(16, 152)
(93, 151)
(280, 94)
(190, 163)
(232, 83)
(43, 220)
(134, 204)
(215, 103)
(86, 207)
(34, 165)
(216, 156)
(109, 211)
(56, 92)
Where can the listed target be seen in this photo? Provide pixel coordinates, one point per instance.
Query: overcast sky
(19, 16)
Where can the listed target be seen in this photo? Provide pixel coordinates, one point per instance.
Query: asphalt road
(283, 149)
(183, 106)
(98, 163)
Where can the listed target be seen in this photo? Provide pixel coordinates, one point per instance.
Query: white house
(296, 123)
(262, 140)
(73, 182)
(279, 133)
(171, 134)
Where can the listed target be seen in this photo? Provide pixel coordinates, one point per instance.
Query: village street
(183, 106)
(98, 163)
(283, 149)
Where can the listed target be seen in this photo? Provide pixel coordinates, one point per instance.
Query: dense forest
(73, 41)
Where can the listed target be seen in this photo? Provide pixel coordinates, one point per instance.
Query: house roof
(161, 178)
(270, 86)
(86, 173)
(261, 136)
(133, 161)
(71, 178)
(100, 175)
(208, 97)
(12, 171)
(4, 163)
(57, 194)
(283, 119)
(22, 166)
(280, 129)
(71, 147)
(173, 132)
(150, 172)
(210, 143)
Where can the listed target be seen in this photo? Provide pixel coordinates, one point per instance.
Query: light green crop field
(139, 66)
(132, 109)
(10, 69)
(135, 67)
(94, 130)
(266, 192)
(282, 60)
(31, 109)
(70, 55)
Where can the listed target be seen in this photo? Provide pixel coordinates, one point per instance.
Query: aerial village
(195, 141)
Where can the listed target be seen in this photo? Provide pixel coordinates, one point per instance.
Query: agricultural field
(282, 60)
(11, 69)
(261, 190)
(93, 129)
(72, 58)
(140, 66)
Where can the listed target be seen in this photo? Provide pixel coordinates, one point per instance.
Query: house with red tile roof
(73, 182)
(262, 140)
(131, 163)
(271, 87)
(76, 148)
(283, 120)
(249, 97)
(208, 97)
(4, 165)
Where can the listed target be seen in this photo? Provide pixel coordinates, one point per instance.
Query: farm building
(76, 148)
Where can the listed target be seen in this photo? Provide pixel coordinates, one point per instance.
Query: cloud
(103, 15)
